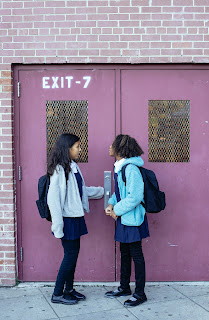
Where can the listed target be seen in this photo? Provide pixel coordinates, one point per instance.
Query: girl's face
(111, 151)
(75, 150)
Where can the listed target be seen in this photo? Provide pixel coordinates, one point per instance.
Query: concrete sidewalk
(173, 301)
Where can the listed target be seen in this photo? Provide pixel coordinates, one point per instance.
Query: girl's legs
(138, 258)
(69, 282)
(125, 271)
(67, 268)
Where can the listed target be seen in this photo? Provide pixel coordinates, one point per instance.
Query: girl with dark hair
(67, 199)
(125, 207)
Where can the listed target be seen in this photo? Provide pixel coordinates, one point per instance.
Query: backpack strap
(123, 173)
(124, 178)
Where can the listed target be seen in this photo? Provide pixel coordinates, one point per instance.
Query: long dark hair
(126, 146)
(60, 153)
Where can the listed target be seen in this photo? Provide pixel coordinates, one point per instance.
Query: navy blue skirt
(128, 234)
(74, 228)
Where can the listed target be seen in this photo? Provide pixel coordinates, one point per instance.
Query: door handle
(107, 187)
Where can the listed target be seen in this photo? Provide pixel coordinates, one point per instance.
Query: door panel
(177, 248)
(42, 252)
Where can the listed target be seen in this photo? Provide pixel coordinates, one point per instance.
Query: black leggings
(66, 272)
(128, 251)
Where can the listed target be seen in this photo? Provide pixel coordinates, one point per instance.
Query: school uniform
(74, 228)
(132, 225)
(128, 234)
(67, 204)
(64, 200)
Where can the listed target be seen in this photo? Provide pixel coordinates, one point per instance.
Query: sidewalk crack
(190, 298)
(49, 305)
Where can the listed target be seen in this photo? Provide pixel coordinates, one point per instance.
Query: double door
(97, 103)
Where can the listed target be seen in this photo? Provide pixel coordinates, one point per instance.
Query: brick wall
(102, 31)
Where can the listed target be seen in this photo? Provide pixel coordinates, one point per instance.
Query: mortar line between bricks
(49, 304)
(191, 299)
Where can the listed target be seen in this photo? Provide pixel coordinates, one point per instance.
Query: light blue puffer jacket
(129, 208)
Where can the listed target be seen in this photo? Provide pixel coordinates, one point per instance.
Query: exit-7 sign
(64, 82)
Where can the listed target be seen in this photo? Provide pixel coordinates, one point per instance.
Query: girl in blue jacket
(125, 207)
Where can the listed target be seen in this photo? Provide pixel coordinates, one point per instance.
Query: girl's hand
(109, 209)
(113, 215)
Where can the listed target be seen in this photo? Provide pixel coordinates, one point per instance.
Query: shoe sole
(127, 306)
(123, 295)
(79, 299)
(67, 303)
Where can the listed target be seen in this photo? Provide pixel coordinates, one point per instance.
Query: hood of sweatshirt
(137, 161)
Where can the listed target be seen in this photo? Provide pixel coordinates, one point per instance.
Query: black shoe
(63, 299)
(119, 292)
(75, 294)
(135, 300)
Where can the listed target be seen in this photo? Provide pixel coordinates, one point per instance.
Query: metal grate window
(67, 117)
(169, 130)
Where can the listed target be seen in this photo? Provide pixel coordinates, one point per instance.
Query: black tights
(66, 272)
(128, 251)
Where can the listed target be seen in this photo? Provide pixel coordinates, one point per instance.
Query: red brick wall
(106, 31)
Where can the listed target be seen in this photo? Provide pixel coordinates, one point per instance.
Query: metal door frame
(17, 92)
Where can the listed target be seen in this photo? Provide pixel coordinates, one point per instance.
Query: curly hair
(60, 153)
(126, 146)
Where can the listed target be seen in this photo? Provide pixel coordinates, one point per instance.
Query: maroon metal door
(178, 247)
(42, 253)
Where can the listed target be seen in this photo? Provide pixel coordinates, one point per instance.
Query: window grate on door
(67, 117)
(169, 130)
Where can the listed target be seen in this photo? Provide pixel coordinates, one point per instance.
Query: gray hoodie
(65, 201)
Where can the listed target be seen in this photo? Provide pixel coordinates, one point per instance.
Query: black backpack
(154, 199)
(43, 187)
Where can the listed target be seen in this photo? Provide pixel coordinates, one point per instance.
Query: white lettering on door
(55, 85)
(69, 81)
(88, 79)
(62, 82)
(45, 82)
